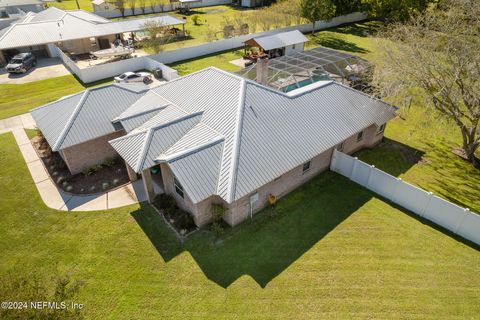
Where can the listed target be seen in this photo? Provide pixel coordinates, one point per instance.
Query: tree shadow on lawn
(391, 156)
(339, 44)
(363, 29)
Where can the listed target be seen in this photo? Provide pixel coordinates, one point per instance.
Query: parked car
(21, 63)
(128, 77)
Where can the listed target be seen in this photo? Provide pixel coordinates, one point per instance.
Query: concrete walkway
(52, 196)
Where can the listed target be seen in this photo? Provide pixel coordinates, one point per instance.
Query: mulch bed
(105, 178)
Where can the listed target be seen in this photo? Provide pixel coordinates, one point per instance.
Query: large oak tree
(439, 53)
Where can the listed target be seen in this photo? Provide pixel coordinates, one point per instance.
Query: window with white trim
(360, 136)
(381, 128)
(306, 166)
(178, 187)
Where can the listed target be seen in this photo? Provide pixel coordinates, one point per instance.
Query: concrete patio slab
(51, 196)
(45, 69)
(121, 197)
(87, 203)
(37, 171)
(21, 137)
(27, 121)
(11, 123)
(28, 153)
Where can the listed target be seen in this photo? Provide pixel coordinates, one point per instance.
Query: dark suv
(21, 63)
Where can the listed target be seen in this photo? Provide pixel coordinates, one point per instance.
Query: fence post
(354, 167)
(466, 212)
(369, 180)
(422, 213)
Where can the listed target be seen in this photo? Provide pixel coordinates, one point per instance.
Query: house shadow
(273, 240)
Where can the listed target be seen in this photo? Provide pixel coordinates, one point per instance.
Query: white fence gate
(446, 214)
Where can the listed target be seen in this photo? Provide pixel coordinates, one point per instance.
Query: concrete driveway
(45, 69)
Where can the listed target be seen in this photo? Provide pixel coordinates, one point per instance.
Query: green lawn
(16, 99)
(72, 5)
(331, 249)
(219, 60)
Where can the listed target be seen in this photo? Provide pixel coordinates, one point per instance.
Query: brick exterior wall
(90, 153)
(200, 211)
(281, 186)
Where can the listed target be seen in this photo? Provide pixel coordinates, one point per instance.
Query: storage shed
(280, 44)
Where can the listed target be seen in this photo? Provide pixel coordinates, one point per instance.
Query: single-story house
(214, 136)
(17, 6)
(280, 44)
(73, 31)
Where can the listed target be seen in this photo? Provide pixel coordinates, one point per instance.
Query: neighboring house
(280, 44)
(73, 31)
(102, 5)
(14, 6)
(216, 137)
(12, 10)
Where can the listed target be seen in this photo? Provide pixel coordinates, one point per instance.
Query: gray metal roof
(280, 132)
(14, 3)
(225, 133)
(198, 172)
(263, 132)
(150, 142)
(85, 116)
(55, 25)
(281, 40)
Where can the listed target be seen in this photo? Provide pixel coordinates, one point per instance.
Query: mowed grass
(16, 99)
(331, 249)
(219, 60)
(72, 5)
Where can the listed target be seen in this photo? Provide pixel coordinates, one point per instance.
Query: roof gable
(89, 114)
(281, 40)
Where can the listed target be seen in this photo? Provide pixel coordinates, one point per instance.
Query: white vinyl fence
(237, 42)
(112, 69)
(446, 214)
(108, 70)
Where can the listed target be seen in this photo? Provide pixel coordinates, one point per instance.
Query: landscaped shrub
(196, 19)
(183, 220)
(164, 201)
(217, 229)
(180, 219)
(217, 211)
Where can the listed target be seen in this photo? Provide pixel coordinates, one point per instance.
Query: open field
(331, 249)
